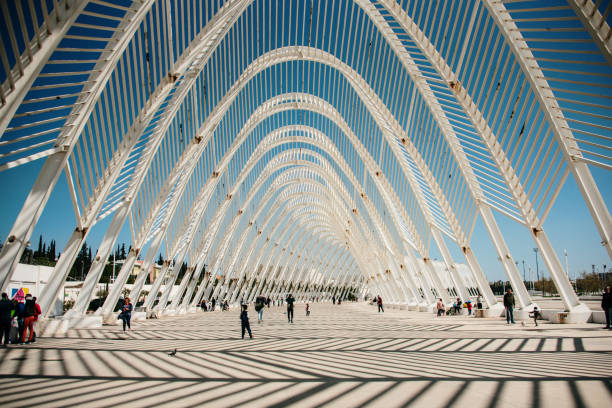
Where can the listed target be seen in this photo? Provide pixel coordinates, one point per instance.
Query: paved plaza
(340, 356)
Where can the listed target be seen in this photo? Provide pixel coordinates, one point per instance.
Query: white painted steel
(174, 128)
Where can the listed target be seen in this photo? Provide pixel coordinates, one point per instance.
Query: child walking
(535, 314)
(244, 319)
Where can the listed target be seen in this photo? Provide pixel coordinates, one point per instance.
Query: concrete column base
(580, 314)
(427, 308)
(85, 322)
(111, 319)
(521, 314)
(496, 310)
(181, 310)
(52, 327)
(139, 316)
(598, 316)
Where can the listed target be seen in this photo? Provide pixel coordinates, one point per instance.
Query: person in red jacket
(37, 312)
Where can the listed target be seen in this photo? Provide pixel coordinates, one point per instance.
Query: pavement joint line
(337, 356)
(314, 379)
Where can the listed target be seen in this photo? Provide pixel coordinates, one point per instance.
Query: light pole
(531, 279)
(524, 271)
(566, 264)
(537, 269)
(113, 280)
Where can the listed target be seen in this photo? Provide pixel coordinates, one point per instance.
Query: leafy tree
(593, 283)
(51, 251)
(82, 263)
(40, 246)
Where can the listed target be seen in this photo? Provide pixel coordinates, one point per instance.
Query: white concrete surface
(340, 356)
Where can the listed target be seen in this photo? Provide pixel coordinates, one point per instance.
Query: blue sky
(569, 226)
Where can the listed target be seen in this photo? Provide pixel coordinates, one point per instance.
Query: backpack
(30, 308)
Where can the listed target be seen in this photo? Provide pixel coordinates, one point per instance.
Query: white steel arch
(138, 104)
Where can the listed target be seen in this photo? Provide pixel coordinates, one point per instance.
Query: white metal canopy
(319, 146)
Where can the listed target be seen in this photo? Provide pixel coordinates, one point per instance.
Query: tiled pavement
(344, 356)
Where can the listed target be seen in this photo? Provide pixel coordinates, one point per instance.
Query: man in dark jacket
(290, 300)
(244, 321)
(606, 305)
(30, 315)
(509, 305)
(6, 308)
(20, 316)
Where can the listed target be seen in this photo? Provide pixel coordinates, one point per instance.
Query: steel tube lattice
(320, 146)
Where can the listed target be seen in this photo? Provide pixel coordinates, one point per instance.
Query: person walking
(458, 306)
(212, 306)
(28, 321)
(37, 312)
(19, 315)
(6, 318)
(334, 300)
(535, 314)
(244, 321)
(509, 305)
(479, 302)
(380, 304)
(290, 300)
(307, 309)
(440, 307)
(606, 305)
(126, 313)
(469, 307)
(259, 308)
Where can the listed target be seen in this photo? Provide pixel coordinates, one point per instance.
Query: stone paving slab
(340, 356)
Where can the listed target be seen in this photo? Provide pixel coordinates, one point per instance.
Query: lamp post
(537, 269)
(566, 264)
(531, 279)
(113, 280)
(536, 257)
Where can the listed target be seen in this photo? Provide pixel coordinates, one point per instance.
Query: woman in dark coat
(606, 305)
(126, 313)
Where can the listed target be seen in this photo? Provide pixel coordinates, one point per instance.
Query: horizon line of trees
(586, 284)
(46, 255)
